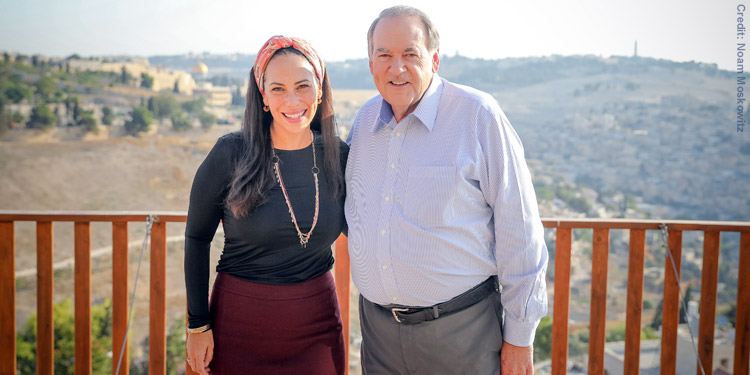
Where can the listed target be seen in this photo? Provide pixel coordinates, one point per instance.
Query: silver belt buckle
(395, 310)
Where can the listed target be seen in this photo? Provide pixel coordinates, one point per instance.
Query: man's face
(400, 63)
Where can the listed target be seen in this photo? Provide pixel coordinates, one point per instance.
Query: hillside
(614, 137)
(658, 129)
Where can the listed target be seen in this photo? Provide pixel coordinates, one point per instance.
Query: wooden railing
(157, 317)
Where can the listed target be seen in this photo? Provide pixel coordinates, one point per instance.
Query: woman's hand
(200, 349)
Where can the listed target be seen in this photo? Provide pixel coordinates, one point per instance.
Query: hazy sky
(701, 30)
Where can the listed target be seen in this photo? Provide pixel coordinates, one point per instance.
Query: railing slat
(343, 281)
(709, 279)
(8, 298)
(636, 263)
(120, 296)
(561, 308)
(671, 305)
(742, 319)
(45, 336)
(598, 315)
(82, 298)
(157, 339)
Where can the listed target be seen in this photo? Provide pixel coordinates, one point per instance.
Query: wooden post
(709, 279)
(120, 301)
(561, 303)
(671, 305)
(635, 301)
(157, 339)
(598, 320)
(45, 336)
(82, 298)
(8, 298)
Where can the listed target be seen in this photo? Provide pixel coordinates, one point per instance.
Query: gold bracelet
(199, 329)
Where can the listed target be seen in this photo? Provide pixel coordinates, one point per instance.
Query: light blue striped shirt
(442, 200)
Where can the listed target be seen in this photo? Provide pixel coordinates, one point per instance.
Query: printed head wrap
(278, 42)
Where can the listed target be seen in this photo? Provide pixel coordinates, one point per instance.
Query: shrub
(107, 115)
(41, 118)
(206, 119)
(140, 120)
(89, 122)
(180, 123)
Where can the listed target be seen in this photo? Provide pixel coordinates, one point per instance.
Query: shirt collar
(426, 110)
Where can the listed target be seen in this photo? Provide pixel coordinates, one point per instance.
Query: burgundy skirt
(273, 329)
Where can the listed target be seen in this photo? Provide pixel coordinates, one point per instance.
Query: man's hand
(516, 360)
(200, 350)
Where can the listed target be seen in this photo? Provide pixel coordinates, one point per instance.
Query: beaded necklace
(303, 237)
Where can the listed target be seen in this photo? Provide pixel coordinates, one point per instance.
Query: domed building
(200, 68)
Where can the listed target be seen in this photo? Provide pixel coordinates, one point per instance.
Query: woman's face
(291, 92)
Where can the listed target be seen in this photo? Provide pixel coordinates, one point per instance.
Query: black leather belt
(416, 315)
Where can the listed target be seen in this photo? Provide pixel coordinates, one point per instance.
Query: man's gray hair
(433, 38)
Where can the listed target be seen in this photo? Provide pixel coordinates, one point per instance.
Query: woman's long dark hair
(253, 173)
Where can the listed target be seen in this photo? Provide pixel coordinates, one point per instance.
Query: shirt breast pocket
(429, 195)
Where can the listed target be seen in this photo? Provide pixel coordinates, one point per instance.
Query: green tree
(88, 121)
(17, 117)
(147, 81)
(194, 106)
(45, 87)
(731, 314)
(206, 119)
(125, 77)
(616, 334)
(140, 121)
(648, 333)
(179, 122)
(76, 112)
(543, 339)
(648, 305)
(64, 346)
(164, 106)
(107, 115)
(70, 102)
(17, 92)
(41, 118)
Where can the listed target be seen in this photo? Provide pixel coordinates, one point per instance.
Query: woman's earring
(320, 100)
(265, 108)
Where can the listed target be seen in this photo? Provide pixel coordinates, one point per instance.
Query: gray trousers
(467, 342)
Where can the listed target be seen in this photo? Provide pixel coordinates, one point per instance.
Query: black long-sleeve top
(263, 246)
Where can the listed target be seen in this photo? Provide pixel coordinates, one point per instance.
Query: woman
(277, 187)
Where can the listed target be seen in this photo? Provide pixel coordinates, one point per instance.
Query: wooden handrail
(157, 324)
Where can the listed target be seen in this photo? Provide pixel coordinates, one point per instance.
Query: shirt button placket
(395, 143)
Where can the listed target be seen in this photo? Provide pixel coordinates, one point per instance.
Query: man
(440, 206)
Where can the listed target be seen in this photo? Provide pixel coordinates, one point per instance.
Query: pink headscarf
(278, 42)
